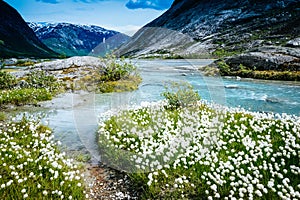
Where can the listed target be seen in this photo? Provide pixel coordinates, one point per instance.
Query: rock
(293, 43)
(10, 61)
(22, 84)
(76, 61)
(267, 58)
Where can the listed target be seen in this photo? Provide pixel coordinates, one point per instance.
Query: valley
(202, 102)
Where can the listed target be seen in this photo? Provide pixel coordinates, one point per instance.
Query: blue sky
(126, 16)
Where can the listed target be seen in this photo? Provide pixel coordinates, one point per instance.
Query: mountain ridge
(78, 40)
(16, 38)
(211, 28)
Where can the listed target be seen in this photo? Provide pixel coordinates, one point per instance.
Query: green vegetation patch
(7, 81)
(221, 53)
(3, 116)
(32, 167)
(242, 71)
(131, 83)
(24, 96)
(180, 95)
(205, 151)
(115, 76)
(34, 87)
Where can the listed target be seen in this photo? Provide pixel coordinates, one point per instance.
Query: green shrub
(115, 70)
(39, 79)
(180, 95)
(7, 81)
(224, 68)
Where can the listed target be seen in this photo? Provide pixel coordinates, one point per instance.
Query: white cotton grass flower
(226, 147)
(32, 156)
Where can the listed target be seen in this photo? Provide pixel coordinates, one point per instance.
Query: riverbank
(266, 62)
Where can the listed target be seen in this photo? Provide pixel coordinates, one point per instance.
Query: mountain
(77, 40)
(16, 38)
(217, 28)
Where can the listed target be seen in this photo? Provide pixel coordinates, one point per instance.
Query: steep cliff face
(217, 27)
(16, 38)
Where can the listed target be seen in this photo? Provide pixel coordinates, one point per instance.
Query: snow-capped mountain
(72, 39)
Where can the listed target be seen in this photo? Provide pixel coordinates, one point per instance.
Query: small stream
(73, 117)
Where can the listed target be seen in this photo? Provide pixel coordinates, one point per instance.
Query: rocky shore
(266, 62)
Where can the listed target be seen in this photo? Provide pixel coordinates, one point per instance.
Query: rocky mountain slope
(16, 38)
(78, 40)
(217, 28)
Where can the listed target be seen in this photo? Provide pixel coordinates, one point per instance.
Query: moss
(3, 116)
(24, 63)
(221, 53)
(125, 85)
(243, 71)
(267, 75)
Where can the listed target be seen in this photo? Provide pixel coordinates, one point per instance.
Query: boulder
(293, 43)
(22, 84)
(267, 58)
(76, 61)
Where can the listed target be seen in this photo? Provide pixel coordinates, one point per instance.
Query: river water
(74, 117)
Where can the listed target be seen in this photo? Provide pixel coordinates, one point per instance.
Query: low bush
(39, 79)
(7, 81)
(224, 68)
(180, 94)
(115, 70)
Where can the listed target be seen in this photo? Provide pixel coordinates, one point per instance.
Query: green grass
(24, 96)
(38, 87)
(221, 53)
(3, 116)
(32, 167)
(129, 84)
(204, 151)
(242, 71)
(116, 76)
